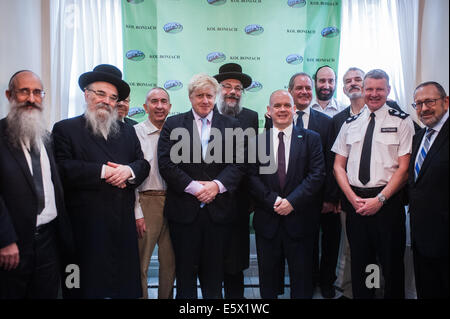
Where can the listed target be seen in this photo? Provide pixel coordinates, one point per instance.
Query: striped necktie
(423, 151)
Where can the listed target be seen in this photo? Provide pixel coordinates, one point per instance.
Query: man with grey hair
(373, 150)
(35, 231)
(200, 201)
(101, 164)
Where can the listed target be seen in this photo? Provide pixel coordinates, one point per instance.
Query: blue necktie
(204, 140)
(37, 177)
(299, 123)
(204, 137)
(423, 151)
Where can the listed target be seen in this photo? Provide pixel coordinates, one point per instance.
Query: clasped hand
(117, 175)
(283, 207)
(208, 193)
(366, 206)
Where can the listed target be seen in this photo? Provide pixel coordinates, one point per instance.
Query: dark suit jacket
(102, 215)
(428, 196)
(180, 206)
(304, 179)
(18, 201)
(323, 125)
(130, 121)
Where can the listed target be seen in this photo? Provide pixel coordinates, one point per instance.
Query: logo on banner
(254, 87)
(294, 59)
(173, 27)
(217, 2)
(216, 57)
(296, 3)
(330, 32)
(254, 29)
(135, 111)
(135, 55)
(173, 85)
(135, 1)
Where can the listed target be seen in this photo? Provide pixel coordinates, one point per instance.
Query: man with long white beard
(101, 164)
(34, 228)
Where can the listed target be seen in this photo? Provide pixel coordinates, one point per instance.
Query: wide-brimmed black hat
(233, 71)
(106, 73)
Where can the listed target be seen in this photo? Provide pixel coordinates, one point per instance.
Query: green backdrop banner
(166, 42)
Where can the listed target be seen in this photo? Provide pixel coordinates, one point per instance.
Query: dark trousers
(324, 267)
(431, 276)
(377, 238)
(199, 252)
(298, 253)
(37, 276)
(233, 285)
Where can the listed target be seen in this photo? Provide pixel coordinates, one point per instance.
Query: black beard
(324, 96)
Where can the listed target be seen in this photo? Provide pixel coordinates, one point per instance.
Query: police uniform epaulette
(352, 118)
(398, 113)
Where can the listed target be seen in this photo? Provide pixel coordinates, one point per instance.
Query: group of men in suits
(72, 198)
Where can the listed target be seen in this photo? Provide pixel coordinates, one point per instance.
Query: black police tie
(364, 165)
(299, 123)
(281, 161)
(37, 178)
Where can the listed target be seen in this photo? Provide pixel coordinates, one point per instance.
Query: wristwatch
(381, 198)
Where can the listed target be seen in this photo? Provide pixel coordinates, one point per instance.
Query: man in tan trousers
(151, 225)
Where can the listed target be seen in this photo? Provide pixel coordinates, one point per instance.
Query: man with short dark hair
(371, 166)
(428, 192)
(122, 111)
(101, 164)
(325, 86)
(35, 233)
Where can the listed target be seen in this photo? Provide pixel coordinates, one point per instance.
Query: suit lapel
(434, 149)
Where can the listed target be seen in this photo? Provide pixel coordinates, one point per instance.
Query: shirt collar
(439, 124)
(150, 128)
(332, 104)
(287, 131)
(197, 117)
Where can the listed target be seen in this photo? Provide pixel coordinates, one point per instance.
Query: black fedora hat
(233, 71)
(106, 73)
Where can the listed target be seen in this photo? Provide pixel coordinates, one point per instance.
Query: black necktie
(364, 165)
(281, 160)
(300, 119)
(37, 178)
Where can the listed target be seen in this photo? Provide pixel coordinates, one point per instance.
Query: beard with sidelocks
(231, 109)
(25, 122)
(102, 120)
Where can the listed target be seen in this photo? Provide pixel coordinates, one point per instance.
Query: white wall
(433, 62)
(20, 38)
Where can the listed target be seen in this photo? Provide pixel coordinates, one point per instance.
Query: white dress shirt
(331, 109)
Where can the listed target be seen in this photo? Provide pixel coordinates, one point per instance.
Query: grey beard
(228, 109)
(26, 126)
(102, 123)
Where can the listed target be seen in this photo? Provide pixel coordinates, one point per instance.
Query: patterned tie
(204, 137)
(423, 151)
(281, 161)
(300, 119)
(364, 165)
(37, 178)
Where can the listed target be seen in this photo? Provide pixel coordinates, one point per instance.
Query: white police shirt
(392, 138)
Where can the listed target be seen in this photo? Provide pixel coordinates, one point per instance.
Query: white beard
(24, 125)
(228, 109)
(102, 122)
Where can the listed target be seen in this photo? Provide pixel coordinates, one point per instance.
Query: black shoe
(327, 292)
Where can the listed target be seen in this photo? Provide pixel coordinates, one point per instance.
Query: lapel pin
(299, 136)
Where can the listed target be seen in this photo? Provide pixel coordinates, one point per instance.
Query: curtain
(381, 34)
(84, 33)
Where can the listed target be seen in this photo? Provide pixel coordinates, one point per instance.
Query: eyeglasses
(25, 92)
(229, 87)
(103, 94)
(428, 103)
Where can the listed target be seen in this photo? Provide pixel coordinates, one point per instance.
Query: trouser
(199, 252)
(298, 253)
(325, 266)
(233, 285)
(431, 276)
(38, 274)
(157, 232)
(380, 237)
(346, 281)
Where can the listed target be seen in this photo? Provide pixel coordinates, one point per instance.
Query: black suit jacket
(428, 196)
(18, 200)
(304, 179)
(323, 125)
(130, 121)
(183, 207)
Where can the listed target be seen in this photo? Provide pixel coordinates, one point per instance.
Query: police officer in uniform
(373, 150)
